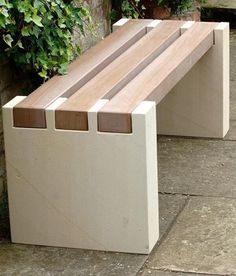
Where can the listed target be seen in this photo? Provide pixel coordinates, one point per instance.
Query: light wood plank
(73, 113)
(158, 78)
(31, 111)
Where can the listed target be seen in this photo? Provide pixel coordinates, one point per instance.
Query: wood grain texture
(71, 114)
(199, 104)
(157, 79)
(31, 111)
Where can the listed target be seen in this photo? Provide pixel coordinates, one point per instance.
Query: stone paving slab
(203, 239)
(24, 260)
(225, 4)
(231, 135)
(170, 206)
(233, 100)
(197, 166)
(151, 272)
(30, 260)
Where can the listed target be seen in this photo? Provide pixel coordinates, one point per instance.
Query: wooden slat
(31, 111)
(158, 78)
(73, 113)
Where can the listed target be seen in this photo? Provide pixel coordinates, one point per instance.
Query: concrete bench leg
(83, 189)
(199, 104)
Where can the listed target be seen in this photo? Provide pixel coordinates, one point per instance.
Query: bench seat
(158, 78)
(31, 111)
(73, 113)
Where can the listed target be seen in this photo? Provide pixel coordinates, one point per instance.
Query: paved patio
(226, 4)
(197, 217)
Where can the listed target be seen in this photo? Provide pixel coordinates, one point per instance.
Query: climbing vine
(37, 35)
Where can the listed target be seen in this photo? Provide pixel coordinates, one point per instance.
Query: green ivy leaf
(38, 4)
(19, 44)
(37, 20)
(28, 56)
(43, 33)
(8, 39)
(2, 3)
(63, 68)
(4, 12)
(36, 31)
(25, 31)
(28, 17)
(50, 16)
(43, 74)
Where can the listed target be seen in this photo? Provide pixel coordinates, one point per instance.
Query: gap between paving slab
(168, 229)
(203, 239)
(197, 167)
(233, 100)
(152, 272)
(231, 135)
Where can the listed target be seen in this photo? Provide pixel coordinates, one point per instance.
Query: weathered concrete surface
(226, 4)
(203, 240)
(197, 167)
(170, 206)
(233, 100)
(37, 260)
(152, 272)
(231, 135)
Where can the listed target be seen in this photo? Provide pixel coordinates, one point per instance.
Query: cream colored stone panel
(84, 189)
(153, 25)
(119, 23)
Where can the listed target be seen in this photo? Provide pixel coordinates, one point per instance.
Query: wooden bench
(81, 151)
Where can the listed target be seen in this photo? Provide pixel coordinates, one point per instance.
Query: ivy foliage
(37, 35)
(125, 8)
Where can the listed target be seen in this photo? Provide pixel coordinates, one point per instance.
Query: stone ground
(197, 217)
(226, 4)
